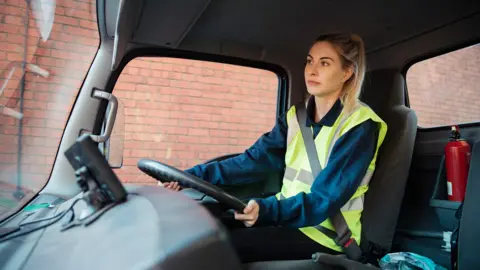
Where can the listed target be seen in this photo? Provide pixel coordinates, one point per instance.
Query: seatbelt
(343, 235)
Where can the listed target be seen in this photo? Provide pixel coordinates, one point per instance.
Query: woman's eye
(325, 64)
(309, 61)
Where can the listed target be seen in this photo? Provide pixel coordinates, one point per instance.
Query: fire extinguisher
(457, 162)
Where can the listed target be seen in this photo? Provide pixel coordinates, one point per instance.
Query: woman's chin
(322, 92)
(315, 91)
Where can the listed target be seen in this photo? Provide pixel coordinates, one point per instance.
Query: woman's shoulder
(363, 112)
(362, 117)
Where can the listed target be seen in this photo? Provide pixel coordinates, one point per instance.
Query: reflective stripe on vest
(298, 176)
(353, 204)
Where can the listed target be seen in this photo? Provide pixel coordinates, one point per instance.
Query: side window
(184, 112)
(46, 49)
(444, 90)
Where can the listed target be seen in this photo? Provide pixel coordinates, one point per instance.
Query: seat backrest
(384, 92)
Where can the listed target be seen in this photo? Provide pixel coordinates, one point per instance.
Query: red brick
(55, 124)
(190, 85)
(142, 96)
(14, 57)
(132, 79)
(37, 150)
(136, 111)
(60, 36)
(158, 81)
(144, 72)
(140, 63)
(38, 169)
(131, 71)
(142, 153)
(145, 88)
(130, 161)
(189, 77)
(219, 133)
(198, 132)
(6, 120)
(13, 10)
(8, 148)
(92, 41)
(194, 70)
(209, 80)
(64, 54)
(77, 13)
(43, 96)
(14, 20)
(67, 20)
(179, 68)
(34, 122)
(7, 158)
(75, 5)
(182, 155)
(62, 107)
(30, 104)
(33, 32)
(172, 75)
(13, 29)
(89, 25)
(125, 86)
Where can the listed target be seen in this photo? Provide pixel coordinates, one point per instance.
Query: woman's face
(324, 74)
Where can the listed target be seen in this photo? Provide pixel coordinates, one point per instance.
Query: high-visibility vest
(298, 176)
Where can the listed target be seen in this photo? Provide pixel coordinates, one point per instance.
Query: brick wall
(445, 90)
(183, 112)
(66, 56)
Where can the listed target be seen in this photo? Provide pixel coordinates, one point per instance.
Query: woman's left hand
(250, 213)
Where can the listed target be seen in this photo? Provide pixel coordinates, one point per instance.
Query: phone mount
(92, 193)
(100, 186)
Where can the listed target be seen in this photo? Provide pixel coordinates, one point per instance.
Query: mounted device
(101, 187)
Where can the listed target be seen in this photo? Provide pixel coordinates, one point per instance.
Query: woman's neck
(323, 105)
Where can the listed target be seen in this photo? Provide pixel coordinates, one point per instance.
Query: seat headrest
(383, 88)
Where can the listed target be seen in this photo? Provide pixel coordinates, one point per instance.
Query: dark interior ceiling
(290, 26)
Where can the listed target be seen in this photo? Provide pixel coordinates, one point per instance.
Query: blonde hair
(351, 49)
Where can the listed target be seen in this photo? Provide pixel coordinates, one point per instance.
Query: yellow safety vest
(298, 176)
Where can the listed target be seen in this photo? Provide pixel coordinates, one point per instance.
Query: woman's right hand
(172, 186)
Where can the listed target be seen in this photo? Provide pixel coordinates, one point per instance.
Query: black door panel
(419, 228)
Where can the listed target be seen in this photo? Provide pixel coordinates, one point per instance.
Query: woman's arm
(332, 188)
(265, 157)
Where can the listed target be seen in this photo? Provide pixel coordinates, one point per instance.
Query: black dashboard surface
(154, 229)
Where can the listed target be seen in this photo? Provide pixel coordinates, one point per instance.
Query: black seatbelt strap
(343, 235)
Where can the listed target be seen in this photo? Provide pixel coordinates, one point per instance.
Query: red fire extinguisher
(457, 162)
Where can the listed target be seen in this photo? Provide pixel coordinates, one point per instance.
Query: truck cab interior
(406, 208)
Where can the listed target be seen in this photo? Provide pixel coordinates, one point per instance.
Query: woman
(347, 135)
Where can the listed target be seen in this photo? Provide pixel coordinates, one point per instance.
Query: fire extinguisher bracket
(444, 208)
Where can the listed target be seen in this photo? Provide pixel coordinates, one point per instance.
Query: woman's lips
(313, 83)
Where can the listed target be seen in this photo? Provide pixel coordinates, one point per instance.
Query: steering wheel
(166, 173)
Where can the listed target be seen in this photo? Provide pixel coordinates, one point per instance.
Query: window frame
(282, 75)
(427, 56)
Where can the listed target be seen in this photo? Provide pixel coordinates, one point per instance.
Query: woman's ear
(347, 73)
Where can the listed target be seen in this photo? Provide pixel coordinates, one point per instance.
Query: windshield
(46, 48)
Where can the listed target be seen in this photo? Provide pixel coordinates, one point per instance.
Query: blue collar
(329, 118)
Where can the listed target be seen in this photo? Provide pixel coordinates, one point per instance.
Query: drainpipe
(19, 194)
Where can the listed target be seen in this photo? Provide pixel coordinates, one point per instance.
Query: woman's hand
(172, 186)
(250, 214)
